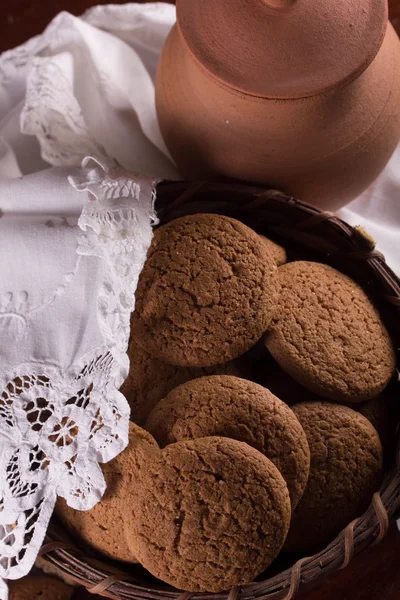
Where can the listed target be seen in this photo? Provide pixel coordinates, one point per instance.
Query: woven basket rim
(281, 215)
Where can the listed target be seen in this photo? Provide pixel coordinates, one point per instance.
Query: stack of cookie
(238, 453)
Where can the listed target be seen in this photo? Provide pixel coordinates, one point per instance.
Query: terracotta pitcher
(301, 95)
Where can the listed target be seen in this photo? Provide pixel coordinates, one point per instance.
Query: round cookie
(271, 376)
(376, 410)
(102, 526)
(289, 391)
(211, 513)
(345, 472)
(207, 291)
(328, 336)
(39, 586)
(48, 568)
(378, 413)
(277, 252)
(222, 405)
(151, 379)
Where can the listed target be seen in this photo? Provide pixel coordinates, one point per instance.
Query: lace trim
(118, 223)
(50, 92)
(57, 426)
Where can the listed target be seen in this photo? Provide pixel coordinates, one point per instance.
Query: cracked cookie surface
(207, 291)
(277, 252)
(241, 410)
(210, 513)
(102, 526)
(345, 472)
(289, 391)
(270, 375)
(150, 379)
(328, 335)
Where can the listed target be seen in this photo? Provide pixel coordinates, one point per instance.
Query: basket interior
(309, 234)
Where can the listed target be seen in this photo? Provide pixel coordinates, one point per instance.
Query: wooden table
(374, 575)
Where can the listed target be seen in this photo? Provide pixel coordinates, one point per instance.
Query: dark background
(21, 19)
(375, 574)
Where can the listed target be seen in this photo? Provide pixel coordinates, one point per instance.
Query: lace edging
(56, 427)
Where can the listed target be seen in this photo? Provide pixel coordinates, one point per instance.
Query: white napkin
(73, 242)
(378, 211)
(84, 89)
(86, 86)
(71, 249)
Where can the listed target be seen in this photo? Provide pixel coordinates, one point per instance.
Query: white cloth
(77, 99)
(82, 89)
(73, 242)
(378, 211)
(71, 250)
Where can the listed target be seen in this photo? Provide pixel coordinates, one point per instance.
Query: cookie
(270, 375)
(211, 513)
(150, 379)
(101, 526)
(289, 391)
(328, 336)
(377, 412)
(345, 472)
(222, 405)
(277, 252)
(39, 586)
(49, 569)
(207, 292)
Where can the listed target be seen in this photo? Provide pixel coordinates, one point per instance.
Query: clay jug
(300, 95)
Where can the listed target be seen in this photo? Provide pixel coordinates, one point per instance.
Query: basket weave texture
(320, 236)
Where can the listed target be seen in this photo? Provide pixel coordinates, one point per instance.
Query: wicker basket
(317, 235)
